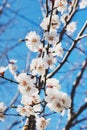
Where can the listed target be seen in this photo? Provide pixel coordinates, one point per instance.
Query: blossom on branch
(2, 70)
(57, 101)
(32, 100)
(12, 66)
(58, 50)
(51, 37)
(60, 5)
(50, 61)
(25, 110)
(42, 123)
(26, 84)
(2, 108)
(38, 66)
(53, 83)
(55, 23)
(33, 41)
(71, 27)
(83, 4)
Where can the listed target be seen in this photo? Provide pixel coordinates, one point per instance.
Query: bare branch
(80, 120)
(76, 83)
(10, 80)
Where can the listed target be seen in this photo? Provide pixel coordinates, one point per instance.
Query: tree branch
(69, 51)
(76, 83)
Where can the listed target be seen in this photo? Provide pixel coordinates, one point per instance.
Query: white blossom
(23, 79)
(33, 100)
(2, 70)
(51, 37)
(83, 4)
(12, 66)
(25, 110)
(27, 90)
(57, 101)
(55, 23)
(42, 123)
(2, 108)
(38, 66)
(71, 27)
(58, 50)
(61, 5)
(53, 83)
(33, 41)
(50, 60)
(26, 84)
(45, 22)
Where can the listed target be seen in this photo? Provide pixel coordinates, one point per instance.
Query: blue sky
(25, 16)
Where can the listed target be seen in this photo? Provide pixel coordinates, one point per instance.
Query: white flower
(2, 70)
(57, 101)
(51, 37)
(25, 111)
(61, 5)
(53, 82)
(50, 94)
(71, 27)
(33, 41)
(42, 123)
(55, 23)
(33, 100)
(50, 60)
(12, 66)
(28, 90)
(58, 50)
(26, 84)
(83, 4)
(23, 79)
(44, 24)
(38, 66)
(2, 108)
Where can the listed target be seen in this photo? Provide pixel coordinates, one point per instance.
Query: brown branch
(3, 6)
(75, 116)
(30, 123)
(69, 52)
(80, 120)
(69, 18)
(50, 17)
(76, 83)
(14, 123)
(10, 80)
(83, 36)
(81, 50)
(47, 9)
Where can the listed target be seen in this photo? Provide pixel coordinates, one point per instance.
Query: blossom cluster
(49, 49)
